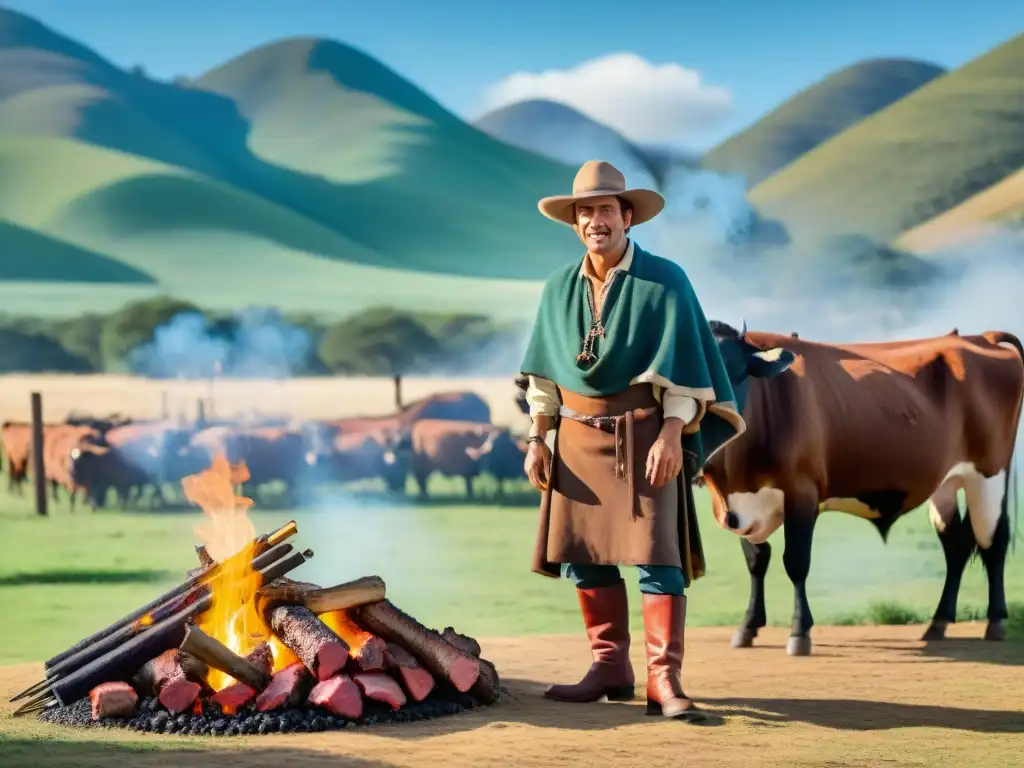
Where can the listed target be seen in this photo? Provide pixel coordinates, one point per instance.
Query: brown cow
(451, 448)
(874, 430)
(17, 447)
(59, 443)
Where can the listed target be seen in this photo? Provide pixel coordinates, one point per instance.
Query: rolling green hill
(215, 201)
(925, 154)
(816, 114)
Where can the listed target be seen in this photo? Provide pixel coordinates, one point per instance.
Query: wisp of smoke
(254, 343)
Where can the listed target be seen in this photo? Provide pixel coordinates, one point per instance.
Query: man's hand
(538, 459)
(665, 459)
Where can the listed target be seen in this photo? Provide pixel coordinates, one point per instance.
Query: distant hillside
(1001, 204)
(816, 114)
(306, 168)
(923, 155)
(568, 136)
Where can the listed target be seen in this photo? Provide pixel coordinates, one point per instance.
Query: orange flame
(233, 618)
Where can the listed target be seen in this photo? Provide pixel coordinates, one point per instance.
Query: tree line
(168, 338)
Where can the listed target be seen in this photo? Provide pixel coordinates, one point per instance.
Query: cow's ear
(766, 363)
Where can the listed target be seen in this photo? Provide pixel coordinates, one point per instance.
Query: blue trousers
(654, 579)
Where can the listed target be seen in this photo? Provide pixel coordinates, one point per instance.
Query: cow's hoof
(936, 631)
(798, 646)
(996, 630)
(743, 638)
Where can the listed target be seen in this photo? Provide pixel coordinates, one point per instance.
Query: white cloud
(641, 100)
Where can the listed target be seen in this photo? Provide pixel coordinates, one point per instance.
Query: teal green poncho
(654, 328)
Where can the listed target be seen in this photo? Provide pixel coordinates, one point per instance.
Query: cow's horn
(744, 331)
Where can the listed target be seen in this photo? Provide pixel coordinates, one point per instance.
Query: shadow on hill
(43, 753)
(105, 576)
(853, 715)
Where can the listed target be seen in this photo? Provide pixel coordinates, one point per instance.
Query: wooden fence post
(38, 466)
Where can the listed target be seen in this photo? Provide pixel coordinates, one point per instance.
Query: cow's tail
(1005, 337)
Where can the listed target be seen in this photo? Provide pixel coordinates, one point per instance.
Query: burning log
(122, 662)
(464, 643)
(351, 594)
(441, 658)
(417, 681)
(137, 618)
(214, 654)
(320, 600)
(287, 688)
(120, 632)
(262, 657)
(113, 700)
(340, 695)
(380, 687)
(175, 678)
(366, 651)
(321, 650)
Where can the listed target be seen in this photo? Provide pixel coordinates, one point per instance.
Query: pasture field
(871, 695)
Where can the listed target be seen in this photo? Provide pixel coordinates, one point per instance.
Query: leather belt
(622, 427)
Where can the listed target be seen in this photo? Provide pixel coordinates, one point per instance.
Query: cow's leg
(994, 559)
(757, 556)
(421, 478)
(957, 539)
(72, 492)
(799, 533)
(469, 485)
(54, 487)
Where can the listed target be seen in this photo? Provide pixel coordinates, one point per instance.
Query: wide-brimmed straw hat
(597, 178)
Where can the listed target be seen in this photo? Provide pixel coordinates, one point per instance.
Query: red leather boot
(664, 625)
(606, 616)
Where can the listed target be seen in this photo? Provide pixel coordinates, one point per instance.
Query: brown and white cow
(874, 430)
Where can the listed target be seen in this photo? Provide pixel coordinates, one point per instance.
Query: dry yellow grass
(870, 696)
(302, 398)
(972, 220)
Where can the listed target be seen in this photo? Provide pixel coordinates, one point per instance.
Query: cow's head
(85, 456)
(753, 515)
(744, 360)
(498, 448)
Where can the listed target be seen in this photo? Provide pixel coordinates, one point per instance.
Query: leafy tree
(24, 352)
(378, 342)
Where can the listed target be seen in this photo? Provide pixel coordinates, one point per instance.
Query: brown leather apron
(599, 507)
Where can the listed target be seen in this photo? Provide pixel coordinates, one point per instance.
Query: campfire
(241, 648)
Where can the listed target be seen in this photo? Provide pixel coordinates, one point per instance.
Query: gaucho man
(622, 364)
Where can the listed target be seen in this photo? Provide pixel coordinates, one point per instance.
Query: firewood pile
(241, 648)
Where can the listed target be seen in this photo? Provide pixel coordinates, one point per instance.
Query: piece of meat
(287, 688)
(229, 700)
(381, 687)
(262, 657)
(417, 681)
(113, 700)
(179, 694)
(319, 647)
(339, 695)
(366, 651)
(443, 659)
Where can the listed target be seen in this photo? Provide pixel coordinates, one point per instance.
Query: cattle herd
(450, 434)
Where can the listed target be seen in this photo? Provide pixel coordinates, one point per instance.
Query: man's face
(601, 225)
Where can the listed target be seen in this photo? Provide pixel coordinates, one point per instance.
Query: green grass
(302, 174)
(448, 563)
(926, 153)
(816, 114)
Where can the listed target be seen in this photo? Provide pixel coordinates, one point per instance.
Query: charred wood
(319, 648)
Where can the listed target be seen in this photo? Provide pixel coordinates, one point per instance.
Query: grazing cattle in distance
(446, 447)
(130, 457)
(450, 406)
(367, 454)
(17, 446)
(270, 453)
(501, 455)
(874, 430)
(58, 443)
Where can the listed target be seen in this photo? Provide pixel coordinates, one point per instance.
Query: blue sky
(759, 52)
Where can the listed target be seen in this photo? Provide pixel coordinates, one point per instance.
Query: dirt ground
(870, 696)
